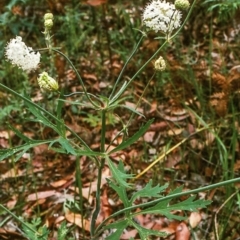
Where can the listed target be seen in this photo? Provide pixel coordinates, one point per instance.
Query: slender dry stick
(169, 151)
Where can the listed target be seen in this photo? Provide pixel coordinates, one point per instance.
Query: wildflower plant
(159, 16)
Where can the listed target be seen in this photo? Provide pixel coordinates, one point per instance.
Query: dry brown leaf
(58, 183)
(129, 234)
(174, 131)
(194, 219)
(179, 111)
(96, 2)
(12, 173)
(148, 136)
(210, 137)
(90, 76)
(158, 126)
(237, 165)
(77, 219)
(106, 208)
(182, 232)
(40, 195)
(175, 118)
(4, 134)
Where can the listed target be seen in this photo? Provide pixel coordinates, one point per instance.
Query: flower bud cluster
(182, 4)
(160, 64)
(48, 21)
(47, 83)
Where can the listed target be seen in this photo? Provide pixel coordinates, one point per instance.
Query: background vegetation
(200, 88)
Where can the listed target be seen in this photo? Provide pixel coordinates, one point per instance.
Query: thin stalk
(166, 41)
(90, 94)
(79, 78)
(138, 103)
(168, 197)
(146, 63)
(49, 44)
(124, 67)
(131, 117)
(99, 178)
(107, 33)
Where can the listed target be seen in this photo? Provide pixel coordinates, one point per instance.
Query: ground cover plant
(135, 131)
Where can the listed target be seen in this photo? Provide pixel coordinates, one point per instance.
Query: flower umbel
(162, 16)
(22, 56)
(160, 64)
(47, 83)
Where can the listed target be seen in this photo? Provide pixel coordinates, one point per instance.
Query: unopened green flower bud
(48, 23)
(48, 16)
(47, 83)
(160, 64)
(182, 4)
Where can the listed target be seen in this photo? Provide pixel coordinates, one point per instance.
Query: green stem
(45, 111)
(177, 195)
(131, 117)
(138, 103)
(103, 132)
(90, 94)
(79, 77)
(99, 178)
(166, 41)
(125, 65)
(146, 63)
(48, 41)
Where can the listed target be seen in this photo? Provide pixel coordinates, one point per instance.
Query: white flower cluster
(160, 64)
(162, 16)
(22, 56)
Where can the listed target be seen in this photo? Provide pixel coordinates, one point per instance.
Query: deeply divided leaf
(119, 174)
(164, 208)
(149, 191)
(118, 227)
